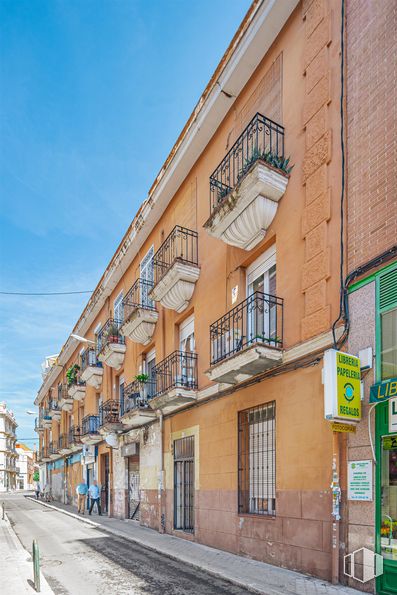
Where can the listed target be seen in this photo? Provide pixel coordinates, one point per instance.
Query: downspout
(161, 478)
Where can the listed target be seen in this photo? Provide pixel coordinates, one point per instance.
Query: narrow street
(77, 558)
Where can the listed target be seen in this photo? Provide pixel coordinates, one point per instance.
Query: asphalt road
(81, 560)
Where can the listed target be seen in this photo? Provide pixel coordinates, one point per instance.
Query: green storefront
(385, 395)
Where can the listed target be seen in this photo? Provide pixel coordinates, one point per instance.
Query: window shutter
(388, 289)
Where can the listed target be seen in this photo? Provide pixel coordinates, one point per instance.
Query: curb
(157, 550)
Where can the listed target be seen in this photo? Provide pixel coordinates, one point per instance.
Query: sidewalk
(257, 577)
(16, 565)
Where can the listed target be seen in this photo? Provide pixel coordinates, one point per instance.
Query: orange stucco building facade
(199, 406)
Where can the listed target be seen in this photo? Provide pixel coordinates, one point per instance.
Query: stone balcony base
(245, 214)
(175, 289)
(138, 417)
(66, 404)
(92, 376)
(113, 355)
(91, 438)
(251, 361)
(173, 399)
(76, 392)
(140, 325)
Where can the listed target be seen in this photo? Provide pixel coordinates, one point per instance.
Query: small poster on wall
(359, 481)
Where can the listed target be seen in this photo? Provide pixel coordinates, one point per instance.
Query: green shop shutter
(388, 289)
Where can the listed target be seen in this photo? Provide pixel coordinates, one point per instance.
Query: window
(184, 484)
(186, 344)
(150, 365)
(257, 460)
(118, 312)
(388, 324)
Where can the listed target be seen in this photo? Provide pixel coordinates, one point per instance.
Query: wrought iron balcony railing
(89, 358)
(179, 369)
(52, 448)
(43, 452)
(137, 396)
(138, 297)
(262, 137)
(258, 319)
(109, 333)
(63, 441)
(90, 425)
(75, 435)
(181, 245)
(62, 392)
(54, 405)
(109, 412)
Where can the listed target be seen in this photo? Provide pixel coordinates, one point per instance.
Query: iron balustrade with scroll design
(89, 358)
(109, 333)
(257, 319)
(109, 412)
(261, 136)
(138, 297)
(90, 425)
(137, 395)
(181, 245)
(179, 369)
(63, 392)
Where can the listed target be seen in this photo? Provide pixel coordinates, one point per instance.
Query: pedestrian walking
(81, 492)
(95, 493)
(37, 489)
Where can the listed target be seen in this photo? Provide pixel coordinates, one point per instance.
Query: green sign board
(382, 391)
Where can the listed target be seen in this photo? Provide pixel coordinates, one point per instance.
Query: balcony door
(261, 313)
(187, 346)
(147, 274)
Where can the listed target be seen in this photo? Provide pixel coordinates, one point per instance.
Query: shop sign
(389, 442)
(393, 415)
(336, 427)
(129, 450)
(381, 391)
(342, 386)
(359, 481)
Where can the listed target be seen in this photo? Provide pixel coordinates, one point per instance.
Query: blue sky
(93, 95)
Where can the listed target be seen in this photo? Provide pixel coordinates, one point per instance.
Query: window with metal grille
(257, 460)
(184, 484)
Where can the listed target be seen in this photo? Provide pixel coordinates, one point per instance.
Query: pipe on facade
(335, 534)
(161, 478)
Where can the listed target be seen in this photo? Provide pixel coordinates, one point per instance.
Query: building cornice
(260, 27)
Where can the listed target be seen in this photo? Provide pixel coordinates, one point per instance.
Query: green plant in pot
(142, 380)
(71, 374)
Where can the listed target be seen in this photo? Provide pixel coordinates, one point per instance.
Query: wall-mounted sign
(234, 294)
(393, 415)
(342, 386)
(337, 427)
(389, 443)
(359, 481)
(381, 391)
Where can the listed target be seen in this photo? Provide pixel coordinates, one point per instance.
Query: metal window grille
(257, 460)
(184, 484)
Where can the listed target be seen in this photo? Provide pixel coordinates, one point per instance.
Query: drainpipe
(161, 478)
(336, 494)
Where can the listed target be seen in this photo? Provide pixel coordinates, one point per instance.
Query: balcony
(246, 186)
(76, 386)
(75, 438)
(53, 450)
(64, 447)
(110, 347)
(109, 417)
(176, 269)
(135, 408)
(140, 314)
(89, 430)
(38, 424)
(247, 340)
(47, 420)
(55, 409)
(91, 371)
(44, 455)
(176, 381)
(64, 399)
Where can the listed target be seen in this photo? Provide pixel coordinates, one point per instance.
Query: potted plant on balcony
(71, 374)
(142, 380)
(113, 333)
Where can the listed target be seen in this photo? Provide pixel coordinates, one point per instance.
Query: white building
(8, 454)
(25, 465)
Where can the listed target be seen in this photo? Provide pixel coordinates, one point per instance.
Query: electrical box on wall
(366, 358)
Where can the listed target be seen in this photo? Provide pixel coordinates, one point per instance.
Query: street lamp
(30, 412)
(82, 339)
